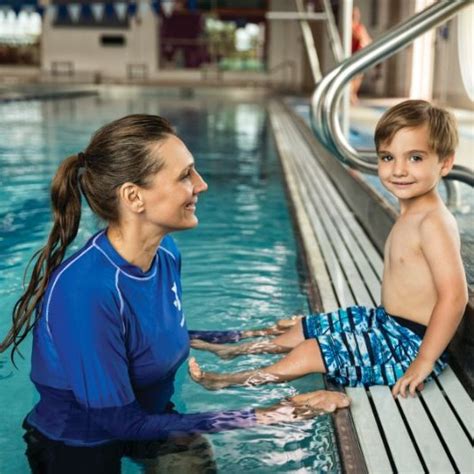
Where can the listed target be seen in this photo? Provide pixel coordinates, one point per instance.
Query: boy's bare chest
(403, 247)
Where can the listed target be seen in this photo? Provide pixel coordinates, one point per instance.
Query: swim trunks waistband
(417, 328)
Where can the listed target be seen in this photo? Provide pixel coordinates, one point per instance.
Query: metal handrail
(324, 103)
(309, 42)
(334, 38)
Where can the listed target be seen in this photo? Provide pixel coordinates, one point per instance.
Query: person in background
(360, 39)
(109, 331)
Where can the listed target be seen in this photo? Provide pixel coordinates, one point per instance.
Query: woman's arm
(90, 340)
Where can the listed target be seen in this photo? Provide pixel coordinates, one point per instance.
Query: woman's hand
(322, 400)
(283, 413)
(302, 407)
(413, 378)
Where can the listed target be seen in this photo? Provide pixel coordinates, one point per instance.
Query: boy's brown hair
(443, 134)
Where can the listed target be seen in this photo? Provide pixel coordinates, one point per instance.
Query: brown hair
(443, 135)
(119, 152)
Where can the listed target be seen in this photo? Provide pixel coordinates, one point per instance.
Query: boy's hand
(413, 378)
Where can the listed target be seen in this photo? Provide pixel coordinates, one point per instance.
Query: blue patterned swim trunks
(365, 346)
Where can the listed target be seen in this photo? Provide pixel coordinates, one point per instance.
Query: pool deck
(24, 92)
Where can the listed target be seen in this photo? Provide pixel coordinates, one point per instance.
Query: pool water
(239, 266)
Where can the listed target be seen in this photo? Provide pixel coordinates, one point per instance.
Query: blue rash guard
(107, 347)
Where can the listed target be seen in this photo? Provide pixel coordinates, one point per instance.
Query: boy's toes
(197, 343)
(194, 370)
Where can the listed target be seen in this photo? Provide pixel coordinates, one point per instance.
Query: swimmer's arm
(441, 249)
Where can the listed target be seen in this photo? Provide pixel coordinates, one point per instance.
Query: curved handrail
(326, 97)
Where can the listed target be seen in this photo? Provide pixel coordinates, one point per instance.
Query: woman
(109, 331)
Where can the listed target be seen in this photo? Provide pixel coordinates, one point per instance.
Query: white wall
(285, 46)
(82, 46)
(448, 87)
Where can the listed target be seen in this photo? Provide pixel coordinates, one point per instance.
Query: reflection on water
(239, 265)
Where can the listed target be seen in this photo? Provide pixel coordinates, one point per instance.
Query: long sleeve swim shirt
(106, 349)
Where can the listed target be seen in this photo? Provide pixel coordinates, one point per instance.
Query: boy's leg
(304, 359)
(232, 335)
(280, 327)
(279, 345)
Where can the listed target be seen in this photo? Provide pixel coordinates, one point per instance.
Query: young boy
(423, 278)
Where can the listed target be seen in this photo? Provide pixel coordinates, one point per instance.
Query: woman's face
(170, 201)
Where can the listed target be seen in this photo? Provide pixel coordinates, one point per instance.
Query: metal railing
(309, 43)
(326, 97)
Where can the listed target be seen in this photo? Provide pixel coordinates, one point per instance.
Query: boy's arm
(441, 249)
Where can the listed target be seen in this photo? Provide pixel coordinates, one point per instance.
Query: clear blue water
(239, 265)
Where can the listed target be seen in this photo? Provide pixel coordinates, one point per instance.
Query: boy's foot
(284, 324)
(213, 381)
(206, 379)
(274, 330)
(223, 351)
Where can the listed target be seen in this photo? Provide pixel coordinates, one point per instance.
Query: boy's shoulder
(439, 215)
(438, 220)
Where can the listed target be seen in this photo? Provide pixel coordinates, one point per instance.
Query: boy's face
(408, 167)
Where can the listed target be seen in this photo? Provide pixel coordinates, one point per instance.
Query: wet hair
(443, 135)
(119, 152)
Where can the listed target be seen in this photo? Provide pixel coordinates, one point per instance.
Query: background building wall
(448, 86)
(81, 46)
(285, 49)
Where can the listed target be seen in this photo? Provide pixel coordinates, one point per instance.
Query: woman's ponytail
(66, 206)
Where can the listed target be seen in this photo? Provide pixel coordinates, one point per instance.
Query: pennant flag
(74, 10)
(132, 9)
(144, 8)
(62, 13)
(52, 12)
(167, 6)
(97, 11)
(121, 10)
(155, 6)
